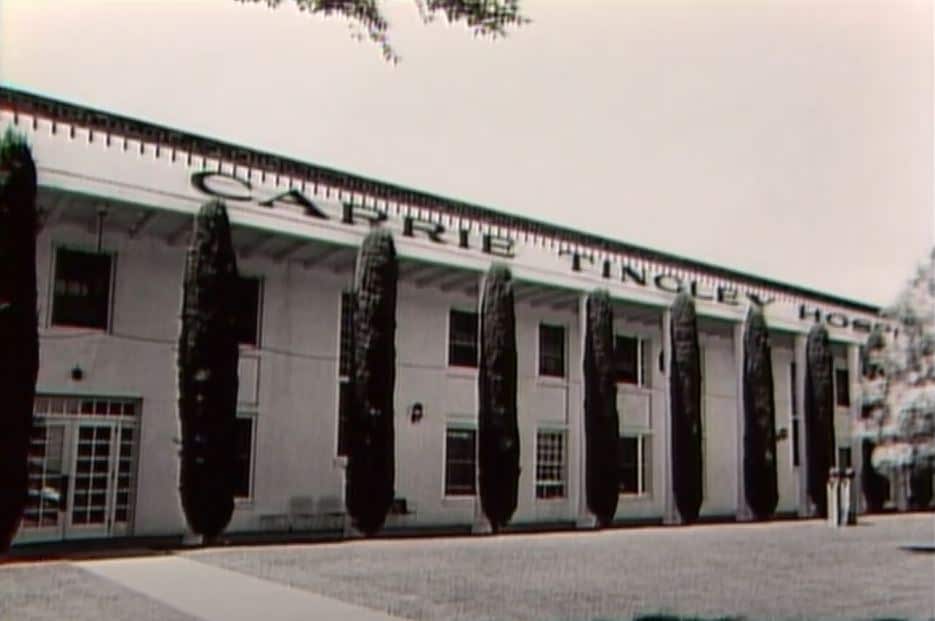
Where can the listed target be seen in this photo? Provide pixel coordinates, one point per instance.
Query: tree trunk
(19, 354)
(601, 422)
(498, 441)
(371, 463)
(207, 365)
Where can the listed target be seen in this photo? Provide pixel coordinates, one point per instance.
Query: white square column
(804, 505)
(670, 513)
(584, 519)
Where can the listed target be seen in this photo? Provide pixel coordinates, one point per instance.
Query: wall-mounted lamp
(781, 434)
(415, 412)
(77, 373)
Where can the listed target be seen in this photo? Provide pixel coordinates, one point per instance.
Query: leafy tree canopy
(484, 17)
(899, 378)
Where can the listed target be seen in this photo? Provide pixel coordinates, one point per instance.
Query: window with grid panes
(550, 464)
(81, 295)
(551, 350)
(462, 339)
(460, 456)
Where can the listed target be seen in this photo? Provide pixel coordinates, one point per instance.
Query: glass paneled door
(81, 468)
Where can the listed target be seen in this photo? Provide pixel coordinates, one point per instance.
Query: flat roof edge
(24, 102)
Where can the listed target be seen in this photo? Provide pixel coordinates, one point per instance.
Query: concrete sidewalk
(210, 593)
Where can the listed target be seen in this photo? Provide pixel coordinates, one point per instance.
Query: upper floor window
(462, 339)
(551, 350)
(248, 302)
(629, 360)
(81, 296)
(842, 388)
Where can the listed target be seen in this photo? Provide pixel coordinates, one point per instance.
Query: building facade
(117, 198)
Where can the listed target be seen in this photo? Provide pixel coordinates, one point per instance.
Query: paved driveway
(779, 570)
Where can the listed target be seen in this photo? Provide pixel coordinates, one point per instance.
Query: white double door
(81, 479)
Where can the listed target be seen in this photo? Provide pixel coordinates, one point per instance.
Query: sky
(791, 139)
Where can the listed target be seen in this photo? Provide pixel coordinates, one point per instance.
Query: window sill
(549, 380)
(631, 497)
(459, 500)
(462, 372)
(244, 503)
(554, 499)
(339, 461)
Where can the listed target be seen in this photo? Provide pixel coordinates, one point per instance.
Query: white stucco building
(117, 198)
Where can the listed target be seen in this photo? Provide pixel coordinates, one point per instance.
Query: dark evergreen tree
(920, 485)
(685, 400)
(819, 416)
(759, 440)
(207, 365)
(875, 486)
(498, 430)
(371, 462)
(19, 352)
(601, 422)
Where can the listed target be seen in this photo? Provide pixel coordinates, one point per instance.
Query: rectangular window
(795, 413)
(550, 464)
(635, 459)
(630, 360)
(842, 388)
(248, 303)
(347, 333)
(551, 350)
(81, 297)
(460, 447)
(344, 412)
(345, 346)
(462, 339)
(243, 466)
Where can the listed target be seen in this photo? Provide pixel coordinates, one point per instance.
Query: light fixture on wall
(77, 373)
(781, 434)
(415, 412)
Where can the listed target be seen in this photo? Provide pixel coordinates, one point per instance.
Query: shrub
(207, 366)
(759, 455)
(601, 422)
(819, 416)
(685, 393)
(19, 354)
(371, 461)
(498, 430)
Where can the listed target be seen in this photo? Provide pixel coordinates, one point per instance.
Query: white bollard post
(834, 503)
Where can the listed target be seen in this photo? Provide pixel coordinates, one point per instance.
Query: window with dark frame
(462, 338)
(629, 471)
(551, 350)
(244, 457)
(795, 413)
(81, 295)
(346, 343)
(842, 388)
(627, 359)
(248, 303)
(460, 447)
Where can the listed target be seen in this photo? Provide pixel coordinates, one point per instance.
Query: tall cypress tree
(207, 365)
(601, 422)
(759, 440)
(498, 429)
(19, 352)
(819, 416)
(685, 400)
(371, 463)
